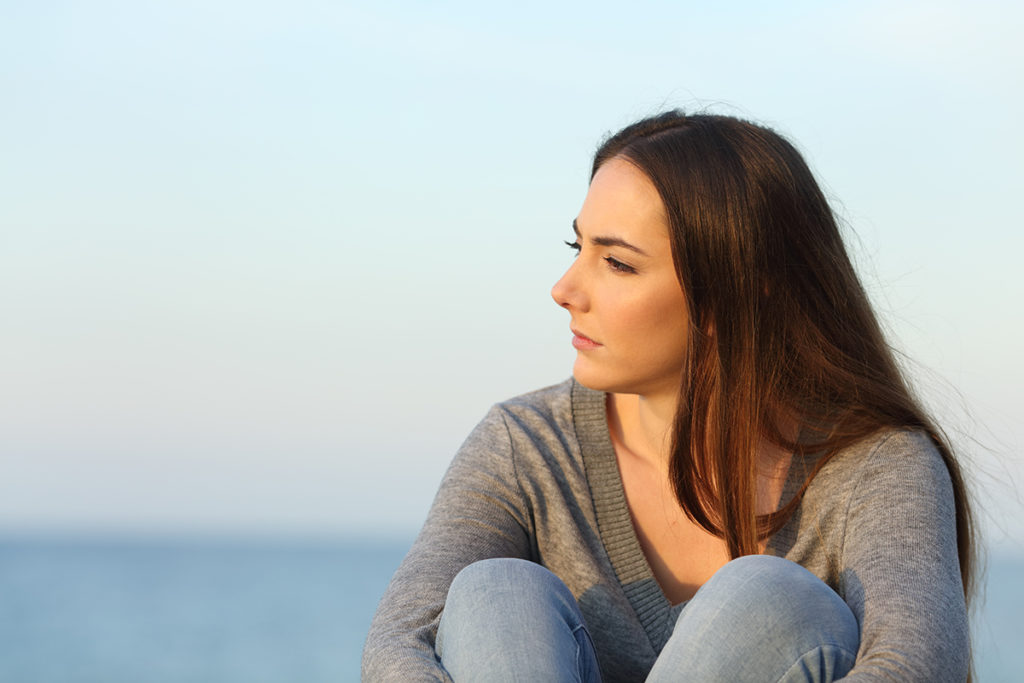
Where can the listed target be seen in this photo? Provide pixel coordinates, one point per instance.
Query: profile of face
(629, 318)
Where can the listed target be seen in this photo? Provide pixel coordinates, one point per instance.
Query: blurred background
(263, 266)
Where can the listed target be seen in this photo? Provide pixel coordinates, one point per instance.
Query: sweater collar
(615, 524)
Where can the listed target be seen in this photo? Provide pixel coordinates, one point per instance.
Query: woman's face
(629, 318)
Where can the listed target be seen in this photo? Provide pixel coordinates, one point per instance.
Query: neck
(642, 425)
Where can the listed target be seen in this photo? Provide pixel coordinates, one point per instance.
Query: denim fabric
(513, 620)
(759, 618)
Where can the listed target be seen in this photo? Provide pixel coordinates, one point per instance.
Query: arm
(479, 513)
(901, 574)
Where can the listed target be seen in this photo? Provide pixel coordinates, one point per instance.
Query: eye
(575, 246)
(618, 266)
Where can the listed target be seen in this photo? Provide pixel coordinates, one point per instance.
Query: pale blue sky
(263, 265)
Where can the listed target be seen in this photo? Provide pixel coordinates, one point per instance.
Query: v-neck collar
(614, 522)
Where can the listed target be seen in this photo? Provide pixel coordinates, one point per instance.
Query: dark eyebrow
(609, 241)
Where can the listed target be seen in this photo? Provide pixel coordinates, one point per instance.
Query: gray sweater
(538, 479)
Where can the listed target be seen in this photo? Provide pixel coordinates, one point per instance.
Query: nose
(567, 292)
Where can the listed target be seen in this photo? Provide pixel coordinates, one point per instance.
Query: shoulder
(552, 398)
(552, 423)
(894, 479)
(544, 410)
(538, 415)
(890, 487)
(894, 443)
(900, 459)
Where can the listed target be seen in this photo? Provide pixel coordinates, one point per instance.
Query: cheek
(662, 323)
(645, 323)
(660, 309)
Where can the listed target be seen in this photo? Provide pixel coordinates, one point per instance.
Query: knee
(501, 581)
(763, 616)
(781, 592)
(762, 564)
(510, 619)
(768, 575)
(497, 575)
(494, 569)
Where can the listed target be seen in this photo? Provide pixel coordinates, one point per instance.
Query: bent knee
(502, 578)
(768, 574)
(783, 592)
(496, 573)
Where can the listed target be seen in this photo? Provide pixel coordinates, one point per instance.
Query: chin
(599, 381)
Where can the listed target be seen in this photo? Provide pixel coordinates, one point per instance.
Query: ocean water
(106, 611)
(150, 611)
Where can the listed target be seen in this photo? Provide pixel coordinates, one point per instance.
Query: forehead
(621, 196)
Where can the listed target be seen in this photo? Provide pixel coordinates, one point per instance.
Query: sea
(222, 610)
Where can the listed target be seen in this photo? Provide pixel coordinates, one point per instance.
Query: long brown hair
(781, 326)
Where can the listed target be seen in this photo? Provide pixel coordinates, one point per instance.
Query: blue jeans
(759, 618)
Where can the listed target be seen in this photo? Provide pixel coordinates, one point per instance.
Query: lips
(583, 342)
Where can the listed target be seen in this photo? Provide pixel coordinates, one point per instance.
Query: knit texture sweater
(538, 479)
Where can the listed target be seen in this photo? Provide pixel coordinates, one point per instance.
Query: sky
(263, 265)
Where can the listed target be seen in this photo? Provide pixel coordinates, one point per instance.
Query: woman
(736, 484)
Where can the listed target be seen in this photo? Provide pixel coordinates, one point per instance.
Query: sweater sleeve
(901, 573)
(479, 513)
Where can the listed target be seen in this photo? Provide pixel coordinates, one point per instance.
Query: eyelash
(615, 265)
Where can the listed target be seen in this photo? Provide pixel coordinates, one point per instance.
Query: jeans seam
(579, 649)
(800, 659)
